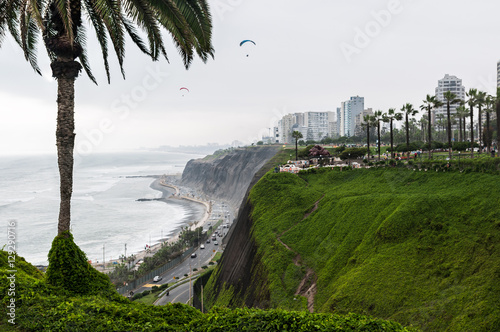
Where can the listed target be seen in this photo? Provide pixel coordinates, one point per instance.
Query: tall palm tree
(472, 94)
(377, 118)
(490, 102)
(296, 134)
(367, 121)
(480, 102)
(450, 98)
(60, 24)
(390, 116)
(462, 113)
(408, 111)
(429, 103)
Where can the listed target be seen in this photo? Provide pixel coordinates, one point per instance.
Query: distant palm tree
(378, 117)
(450, 98)
(367, 121)
(390, 116)
(296, 135)
(472, 94)
(430, 102)
(408, 111)
(462, 113)
(490, 104)
(480, 102)
(60, 24)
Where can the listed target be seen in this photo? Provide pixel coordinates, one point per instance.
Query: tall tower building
(498, 74)
(348, 112)
(448, 83)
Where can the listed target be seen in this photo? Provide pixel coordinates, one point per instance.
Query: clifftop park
(394, 247)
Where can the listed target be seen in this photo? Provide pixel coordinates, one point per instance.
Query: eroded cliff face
(227, 177)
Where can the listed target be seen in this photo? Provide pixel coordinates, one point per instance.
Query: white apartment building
(448, 83)
(348, 112)
(498, 74)
(312, 126)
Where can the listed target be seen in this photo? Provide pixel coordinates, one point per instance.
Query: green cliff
(418, 247)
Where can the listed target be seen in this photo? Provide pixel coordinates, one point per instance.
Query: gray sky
(310, 56)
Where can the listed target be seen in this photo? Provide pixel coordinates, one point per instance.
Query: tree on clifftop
(296, 135)
(60, 24)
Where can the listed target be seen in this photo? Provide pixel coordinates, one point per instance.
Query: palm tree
(462, 113)
(480, 102)
(430, 102)
(490, 104)
(377, 118)
(408, 111)
(472, 94)
(390, 116)
(296, 135)
(60, 24)
(367, 121)
(450, 98)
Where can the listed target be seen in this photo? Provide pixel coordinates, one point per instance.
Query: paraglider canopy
(183, 88)
(247, 41)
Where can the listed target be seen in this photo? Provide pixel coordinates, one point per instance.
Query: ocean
(106, 216)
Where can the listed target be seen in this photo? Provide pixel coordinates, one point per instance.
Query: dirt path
(307, 286)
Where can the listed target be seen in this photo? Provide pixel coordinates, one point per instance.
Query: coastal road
(203, 257)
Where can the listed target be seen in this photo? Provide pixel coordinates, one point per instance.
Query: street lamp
(349, 159)
(458, 159)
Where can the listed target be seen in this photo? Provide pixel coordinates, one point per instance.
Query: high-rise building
(448, 83)
(359, 120)
(498, 74)
(348, 112)
(317, 124)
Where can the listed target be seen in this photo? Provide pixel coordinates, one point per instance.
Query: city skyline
(381, 50)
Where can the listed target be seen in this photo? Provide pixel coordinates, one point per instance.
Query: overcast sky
(309, 56)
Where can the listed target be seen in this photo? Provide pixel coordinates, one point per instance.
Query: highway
(181, 293)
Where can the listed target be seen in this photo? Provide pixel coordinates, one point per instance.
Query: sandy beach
(198, 213)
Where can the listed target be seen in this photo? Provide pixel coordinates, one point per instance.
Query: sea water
(106, 217)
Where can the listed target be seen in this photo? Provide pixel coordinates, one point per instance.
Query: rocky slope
(228, 176)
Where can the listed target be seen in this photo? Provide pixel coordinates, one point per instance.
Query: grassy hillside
(421, 248)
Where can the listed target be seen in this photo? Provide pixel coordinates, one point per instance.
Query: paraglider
(183, 88)
(247, 41)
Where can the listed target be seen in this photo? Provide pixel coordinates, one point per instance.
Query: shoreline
(171, 194)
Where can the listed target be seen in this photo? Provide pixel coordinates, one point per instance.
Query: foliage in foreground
(40, 306)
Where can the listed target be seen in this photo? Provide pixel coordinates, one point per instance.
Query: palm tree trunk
(460, 128)
(407, 138)
(392, 142)
(471, 132)
(497, 106)
(480, 130)
(378, 136)
(430, 134)
(368, 139)
(65, 143)
(449, 128)
(488, 141)
(296, 149)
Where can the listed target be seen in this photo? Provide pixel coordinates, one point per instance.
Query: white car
(157, 278)
(202, 246)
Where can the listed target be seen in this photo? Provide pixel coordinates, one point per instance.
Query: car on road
(202, 246)
(193, 255)
(157, 278)
(208, 241)
(216, 243)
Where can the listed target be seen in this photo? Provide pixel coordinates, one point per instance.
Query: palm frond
(29, 36)
(198, 17)
(101, 34)
(81, 39)
(142, 14)
(64, 10)
(170, 17)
